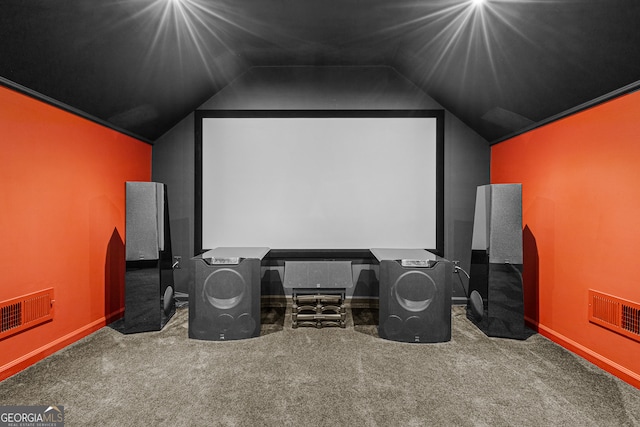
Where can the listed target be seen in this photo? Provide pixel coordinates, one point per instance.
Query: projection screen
(319, 179)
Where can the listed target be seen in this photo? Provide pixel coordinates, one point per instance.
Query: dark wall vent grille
(18, 314)
(614, 313)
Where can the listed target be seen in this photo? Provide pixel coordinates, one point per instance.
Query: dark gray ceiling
(143, 65)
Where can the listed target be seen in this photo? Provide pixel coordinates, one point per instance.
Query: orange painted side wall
(581, 216)
(62, 220)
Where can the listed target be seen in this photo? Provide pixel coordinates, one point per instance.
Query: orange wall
(581, 219)
(62, 220)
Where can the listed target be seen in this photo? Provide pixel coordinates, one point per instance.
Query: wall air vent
(617, 314)
(24, 312)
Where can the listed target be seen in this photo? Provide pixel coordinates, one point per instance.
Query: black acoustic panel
(496, 303)
(415, 303)
(224, 301)
(149, 282)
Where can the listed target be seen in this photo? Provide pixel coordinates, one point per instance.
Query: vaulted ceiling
(143, 65)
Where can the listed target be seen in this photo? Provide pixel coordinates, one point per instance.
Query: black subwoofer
(149, 294)
(415, 296)
(496, 303)
(224, 300)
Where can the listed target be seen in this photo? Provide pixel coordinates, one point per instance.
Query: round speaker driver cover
(224, 322)
(414, 291)
(224, 288)
(415, 325)
(168, 300)
(393, 325)
(245, 323)
(477, 306)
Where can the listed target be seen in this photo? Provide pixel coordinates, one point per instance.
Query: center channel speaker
(224, 300)
(496, 303)
(149, 284)
(415, 296)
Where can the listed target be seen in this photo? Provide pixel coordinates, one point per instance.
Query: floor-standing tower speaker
(415, 295)
(149, 295)
(496, 303)
(224, 300)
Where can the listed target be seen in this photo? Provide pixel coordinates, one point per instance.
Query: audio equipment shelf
(319, 309)
(318, 290)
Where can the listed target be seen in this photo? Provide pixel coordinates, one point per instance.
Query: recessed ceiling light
(478, 2)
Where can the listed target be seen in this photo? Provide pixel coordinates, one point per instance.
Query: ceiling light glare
(478, 3)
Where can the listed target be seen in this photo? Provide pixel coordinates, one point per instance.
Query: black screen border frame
(200, 115)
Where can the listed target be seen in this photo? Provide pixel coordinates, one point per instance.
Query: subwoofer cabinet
(496, 303)
(224, 299)
(149, 294)
(415, 295)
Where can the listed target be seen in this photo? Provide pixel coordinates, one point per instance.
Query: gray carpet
(313, 377)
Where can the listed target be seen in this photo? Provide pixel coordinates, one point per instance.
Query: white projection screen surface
(319, 182)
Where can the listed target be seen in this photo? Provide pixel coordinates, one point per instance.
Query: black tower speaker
(496, 303)
(415, 297)
(224, 300)
(149, 295)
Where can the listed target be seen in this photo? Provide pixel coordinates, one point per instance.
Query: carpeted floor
(313, 377)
